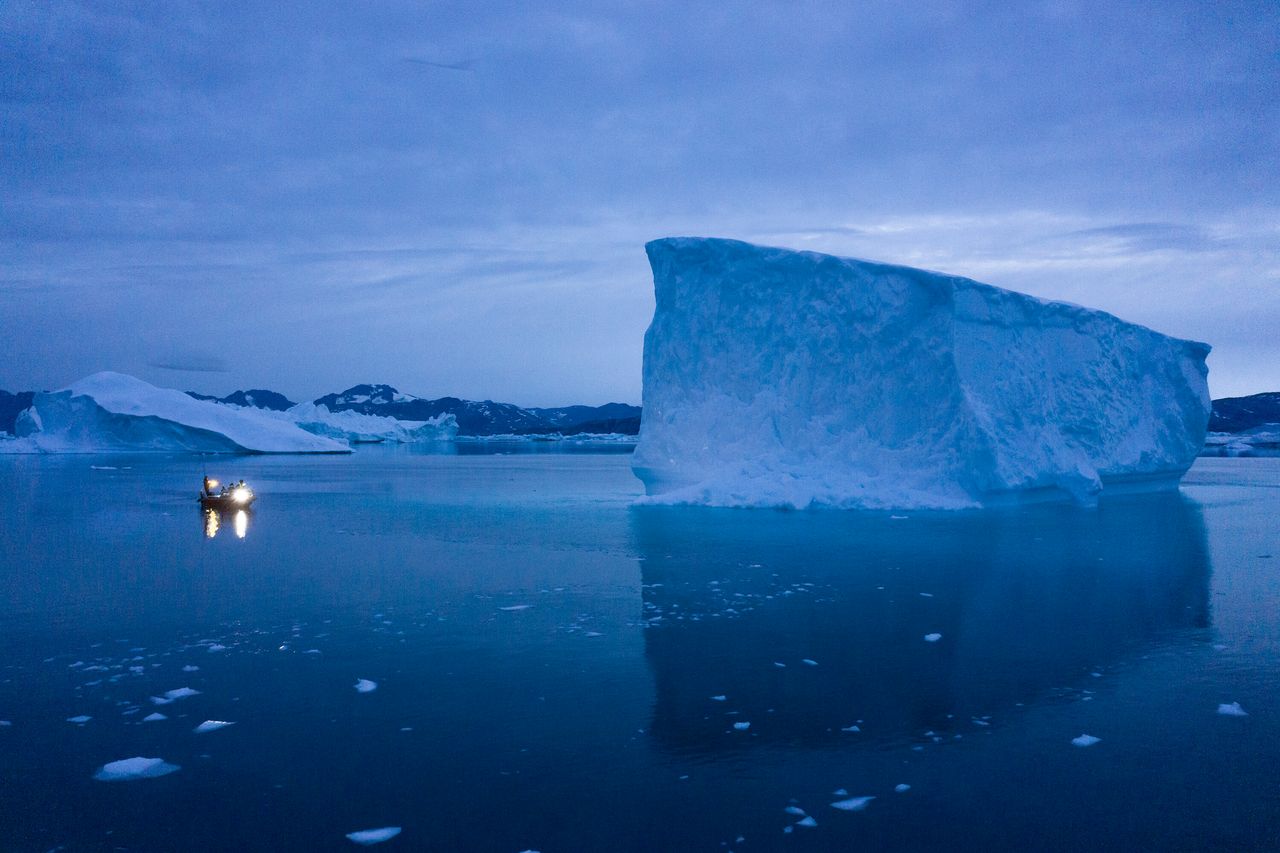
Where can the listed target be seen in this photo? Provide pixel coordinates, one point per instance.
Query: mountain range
(485, 417)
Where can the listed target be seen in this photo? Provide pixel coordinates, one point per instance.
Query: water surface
(550, 662)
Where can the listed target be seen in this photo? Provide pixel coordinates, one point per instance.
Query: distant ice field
(557, 668)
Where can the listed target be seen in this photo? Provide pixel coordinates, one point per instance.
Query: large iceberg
(113, 412)
(781, 378)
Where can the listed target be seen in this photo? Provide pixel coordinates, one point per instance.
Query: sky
(453, 198)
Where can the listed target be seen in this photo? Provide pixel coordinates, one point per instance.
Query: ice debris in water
(364, 685)
(795, 810)
(901, 789)
(853, 804)
(808, 822)
(742, 727)
(154, 718)
(174, 695)
(211, 726)
(516, 607)
(1232, 710)
(851, 729)
(809, 662)
(82, 719)
(374, 836)
(932, 638)
(190, 668)
(1085, 740)
(128, 769)
(719, 698)
(217, 647)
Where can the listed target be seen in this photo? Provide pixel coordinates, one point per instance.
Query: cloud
(191, 363)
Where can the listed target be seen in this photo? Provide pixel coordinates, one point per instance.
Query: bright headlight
(240, 495)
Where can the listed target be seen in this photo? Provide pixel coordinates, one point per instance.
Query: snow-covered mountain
(484, 417)
(1241, 414)
(254, 398)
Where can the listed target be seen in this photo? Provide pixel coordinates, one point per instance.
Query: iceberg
(795, 379)
(355, 428)
(109, 412)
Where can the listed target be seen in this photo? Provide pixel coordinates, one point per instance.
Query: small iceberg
(154, 718)
(932, 638)
(364, 685)
(901, 789)
(82, 719)
(1085, 740)
(174, 695)
(808, 823)
(516, 607)
(211, 726)
(853, 804)
(1232, 710)
(374, 836)
(128, 769)
(742, 727)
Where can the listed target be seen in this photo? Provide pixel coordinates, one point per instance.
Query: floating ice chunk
(1232, 710)
(808, 823)
(5, 723)
(173, 695)
(1085, 740)
(217, 647)
(515, 607)
(901, 789)
(154, 718)
(312, 652)
(795, 810)
(82, 719)
(719, 698)
(742, 727)
(932, 638)
(374, 836)
(853, 804)
(364, 685)
(839, 792)
(851, 729)
(926, 595)
(190, 668)
(809, 662)
(779, 664)
(211, 726)
(128, 769)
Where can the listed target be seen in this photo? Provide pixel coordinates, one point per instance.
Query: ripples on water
(557, 670)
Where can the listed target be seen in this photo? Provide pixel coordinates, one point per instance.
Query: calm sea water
(558, 670)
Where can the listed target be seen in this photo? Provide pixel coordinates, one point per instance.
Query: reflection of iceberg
(1026, 602)
(111, 412)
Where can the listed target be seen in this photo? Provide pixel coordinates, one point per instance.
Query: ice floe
(174, 695)
(364, 685)
(932, 638)
(901, 789)
(515, 607)
(808, 823)
(742, 727)
(154, 718)
(374, 836)
(1232, 710)
(853, 804)
(82, 719)
(128, 769)
(1085, 740)
(211, 726)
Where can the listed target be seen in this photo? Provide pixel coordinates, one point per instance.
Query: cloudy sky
(454, 197)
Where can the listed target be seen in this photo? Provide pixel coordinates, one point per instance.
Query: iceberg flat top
(781, 378)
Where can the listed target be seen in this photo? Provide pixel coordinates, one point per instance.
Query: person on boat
(209, 485)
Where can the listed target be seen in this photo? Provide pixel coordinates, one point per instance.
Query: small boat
(230, 497)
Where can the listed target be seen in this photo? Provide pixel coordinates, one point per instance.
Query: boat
(231, 497)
